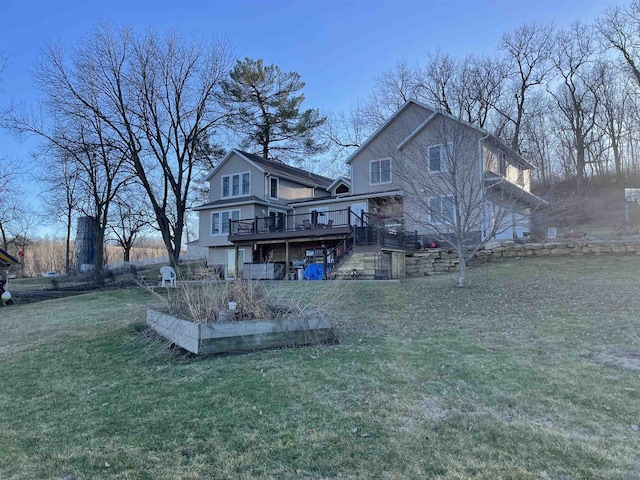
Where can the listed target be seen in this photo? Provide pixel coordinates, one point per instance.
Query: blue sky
(338, 47)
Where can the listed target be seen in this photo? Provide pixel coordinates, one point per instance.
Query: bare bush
(209, 303)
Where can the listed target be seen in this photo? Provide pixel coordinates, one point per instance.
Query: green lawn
(532, 372)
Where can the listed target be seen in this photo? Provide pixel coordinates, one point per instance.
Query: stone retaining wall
(437, 260)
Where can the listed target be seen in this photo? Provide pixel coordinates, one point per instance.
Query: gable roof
(281, 170)
(434, 112)
(344, 180)
(382, 128)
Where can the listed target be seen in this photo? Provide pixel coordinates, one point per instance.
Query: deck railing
(386, 237)
(291, 223)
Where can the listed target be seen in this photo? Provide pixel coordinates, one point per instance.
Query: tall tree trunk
(67, 252)
(98, 259)
(580, 161)
(5, 243)
(462, 267)
(616, 157)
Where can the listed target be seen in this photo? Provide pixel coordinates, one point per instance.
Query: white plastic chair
(168, 275)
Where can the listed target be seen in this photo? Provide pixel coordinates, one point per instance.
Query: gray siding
(236, 164)
(208, 240)
(490, 153)
(293, 191)
(384, 146)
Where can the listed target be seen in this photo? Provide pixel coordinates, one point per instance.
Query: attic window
(342, 188)
(440, 156)
(380, 171)
(236, 185)
(274, 187)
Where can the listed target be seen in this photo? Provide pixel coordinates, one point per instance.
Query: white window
(246, 183)
(220, 221)
(502, 163)
(225, 187)
(438, 157)
(274, 186)
(215, 223)
(236, 185)
(225, 217)
(380, 171)
(441, 210)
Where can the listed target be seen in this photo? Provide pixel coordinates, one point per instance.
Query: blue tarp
(314, 271)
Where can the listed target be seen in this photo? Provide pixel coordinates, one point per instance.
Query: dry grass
(206, 303)
(508, 379)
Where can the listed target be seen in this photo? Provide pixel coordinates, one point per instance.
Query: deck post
(324, 262)
(286, 260)
(237, 276)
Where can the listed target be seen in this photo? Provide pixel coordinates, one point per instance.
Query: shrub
(209, 303)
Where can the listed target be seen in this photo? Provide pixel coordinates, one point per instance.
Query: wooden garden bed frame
(242, 336)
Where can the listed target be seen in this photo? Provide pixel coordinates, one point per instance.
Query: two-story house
(264, 212)
(251, 197)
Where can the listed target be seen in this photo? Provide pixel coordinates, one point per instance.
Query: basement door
(231, 262)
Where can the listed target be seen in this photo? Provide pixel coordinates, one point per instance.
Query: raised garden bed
(241, 336)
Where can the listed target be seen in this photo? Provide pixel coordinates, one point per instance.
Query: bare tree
(391, 90)
(618, 28)
(480, 87)
(130, 217)
(576, 95)
(60, 176)
(5, 110)
(538, 142)
(439, 81)
(156, 96)
(344, 133)
(467, 88)
(528, 57)
(615, 98)
(92, 158)
(11, 201)
(9, 191)
(461, 197)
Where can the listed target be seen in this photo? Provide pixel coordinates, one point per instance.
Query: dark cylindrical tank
(85, 243)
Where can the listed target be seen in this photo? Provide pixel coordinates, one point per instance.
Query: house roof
(277, 168)
(426, 122)
(346, 198)
(337, 181)
(6, 259)
(381, 128)
(493, 180)
(287, 171)
(495, 140)
(232, 201)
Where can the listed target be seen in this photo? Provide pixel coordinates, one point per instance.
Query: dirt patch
(627, 359)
